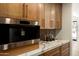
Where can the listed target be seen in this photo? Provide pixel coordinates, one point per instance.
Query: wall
(75, 16)
(65, 33)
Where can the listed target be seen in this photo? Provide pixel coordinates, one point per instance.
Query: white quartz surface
(45, 46)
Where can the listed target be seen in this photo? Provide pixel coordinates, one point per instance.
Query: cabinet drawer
(53, 52)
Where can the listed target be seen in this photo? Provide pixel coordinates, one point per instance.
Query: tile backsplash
(44, 32)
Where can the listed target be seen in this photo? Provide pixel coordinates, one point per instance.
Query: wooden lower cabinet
(53, 52)
(63, 50)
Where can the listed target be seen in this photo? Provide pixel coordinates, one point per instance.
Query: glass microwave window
(22, 34)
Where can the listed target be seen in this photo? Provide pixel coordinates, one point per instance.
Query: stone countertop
(45, 46)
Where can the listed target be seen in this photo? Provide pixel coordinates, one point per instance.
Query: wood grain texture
(58, 14)
(53, 16)
(19, 50)
(65, 49)
(15, 10)
(32, 13)
(41, 16)
(12, 10)
(3, 9)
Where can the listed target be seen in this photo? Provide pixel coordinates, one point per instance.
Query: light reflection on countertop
(45, 46)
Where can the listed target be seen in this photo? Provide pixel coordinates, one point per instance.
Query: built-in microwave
(25, 32)
(17, 30)
(10, 33)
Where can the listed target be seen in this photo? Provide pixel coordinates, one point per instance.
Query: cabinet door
(32, 11)
(65, 49)
(3, 9)
(52, 16)
(47, 16)
(58, 14)
(25, 10)
(15, 10)
(41, 16)
(12, 10)
(35, 12)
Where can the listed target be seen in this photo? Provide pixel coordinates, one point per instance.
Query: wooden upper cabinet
(56, 16)
(41, 16)
(3, 10)
(48, 15)
(35, 12)
(53, 16)
(59, 16)
(13, 10)
(32, 11)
